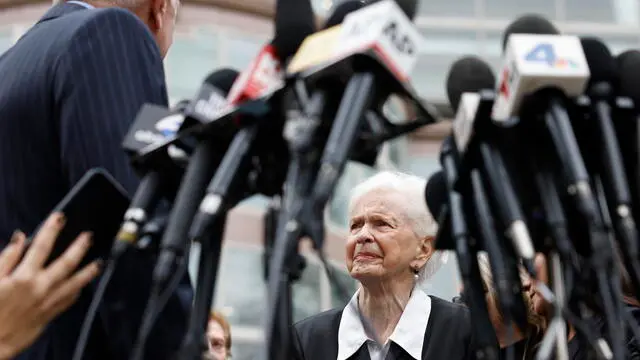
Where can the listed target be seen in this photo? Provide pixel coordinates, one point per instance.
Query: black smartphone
(96, 203)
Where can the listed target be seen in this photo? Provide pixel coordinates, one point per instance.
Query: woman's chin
(365, 272)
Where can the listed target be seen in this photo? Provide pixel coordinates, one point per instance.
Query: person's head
(158, 15)
(539, 304)
(219, 337)
(507, 336)
(391, 232)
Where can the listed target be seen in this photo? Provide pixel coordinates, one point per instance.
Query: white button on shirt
(408, 334)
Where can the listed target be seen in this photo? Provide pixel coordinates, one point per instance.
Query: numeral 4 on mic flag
(534, 60)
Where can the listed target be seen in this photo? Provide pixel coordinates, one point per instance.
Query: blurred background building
(220, 33)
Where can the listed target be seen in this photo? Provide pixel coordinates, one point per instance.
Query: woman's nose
(364, 236)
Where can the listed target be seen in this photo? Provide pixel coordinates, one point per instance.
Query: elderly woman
(390, 252)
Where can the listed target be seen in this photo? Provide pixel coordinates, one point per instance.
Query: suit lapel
(59, 10)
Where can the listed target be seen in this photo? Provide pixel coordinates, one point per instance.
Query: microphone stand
(285, 265)
(208, 229)
(304, 214)
(557, 331)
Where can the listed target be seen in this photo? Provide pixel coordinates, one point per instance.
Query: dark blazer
(69, 90)
(448, 335)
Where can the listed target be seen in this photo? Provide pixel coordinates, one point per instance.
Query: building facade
(226, 33)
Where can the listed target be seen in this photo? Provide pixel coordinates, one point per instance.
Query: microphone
(439, 192)
(627, 82)
(529, 24)
(173, 245)
(475, 134)
(211, 99)
(408, 7)
(542, 72)
(482, 167)
(340, 11)
(600, 90)
(150, 189)
(626, 87)
(264, 76)
(381, 32)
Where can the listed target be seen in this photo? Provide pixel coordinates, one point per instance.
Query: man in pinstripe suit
(69, 90)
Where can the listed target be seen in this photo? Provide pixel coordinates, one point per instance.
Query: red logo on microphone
(504, 84)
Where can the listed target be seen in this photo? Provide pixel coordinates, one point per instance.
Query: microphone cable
(101, 288)
(156, 304)
(128, 234)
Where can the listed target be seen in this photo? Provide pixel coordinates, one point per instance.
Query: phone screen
(97, 203)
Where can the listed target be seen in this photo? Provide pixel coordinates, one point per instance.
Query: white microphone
(465, 117)
(381, 31)
(535, 62)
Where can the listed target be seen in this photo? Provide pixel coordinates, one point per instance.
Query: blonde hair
(216, 316)
(535, 321)
(412, 188)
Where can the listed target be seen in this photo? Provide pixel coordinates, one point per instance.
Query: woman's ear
(425, 250)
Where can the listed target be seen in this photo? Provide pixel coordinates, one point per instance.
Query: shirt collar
(81, 3)
(408, 334)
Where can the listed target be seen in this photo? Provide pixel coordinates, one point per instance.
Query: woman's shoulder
(448, 308)
(324, 321)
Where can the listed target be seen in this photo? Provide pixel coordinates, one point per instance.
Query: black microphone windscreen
(435, 193)
(341, 10)
(529, 24)
(629, 75)
(468, 74)
(602, 65)
(409, 7)
(294, 21)
(222, 79)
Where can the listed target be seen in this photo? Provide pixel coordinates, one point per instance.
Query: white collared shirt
(81, 3)
(408, 334)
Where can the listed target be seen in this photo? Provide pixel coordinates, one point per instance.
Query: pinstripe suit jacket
(69, 90)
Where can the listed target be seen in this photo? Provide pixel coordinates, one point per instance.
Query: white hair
(412, 189)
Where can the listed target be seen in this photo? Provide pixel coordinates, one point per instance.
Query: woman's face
(217, 342)
(540, 306)
(381, 242)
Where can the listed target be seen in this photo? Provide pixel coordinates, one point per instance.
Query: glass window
(424, 165)
(188, 63)
(511, 9)
(247, 304)
(306, 293)
(440, 48)
(354, 173)
(617, 43)
(245, 350)
(349, 284)
(447, 7)
(241, 49)
(454, 42)
(6, 39)
(430, 75)
(491, 44)
(444, 283)
(590, 10)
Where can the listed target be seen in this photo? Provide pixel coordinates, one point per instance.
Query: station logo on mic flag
(380, 31)
(504, 84)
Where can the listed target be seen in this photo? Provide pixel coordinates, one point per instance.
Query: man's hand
(32, 295)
